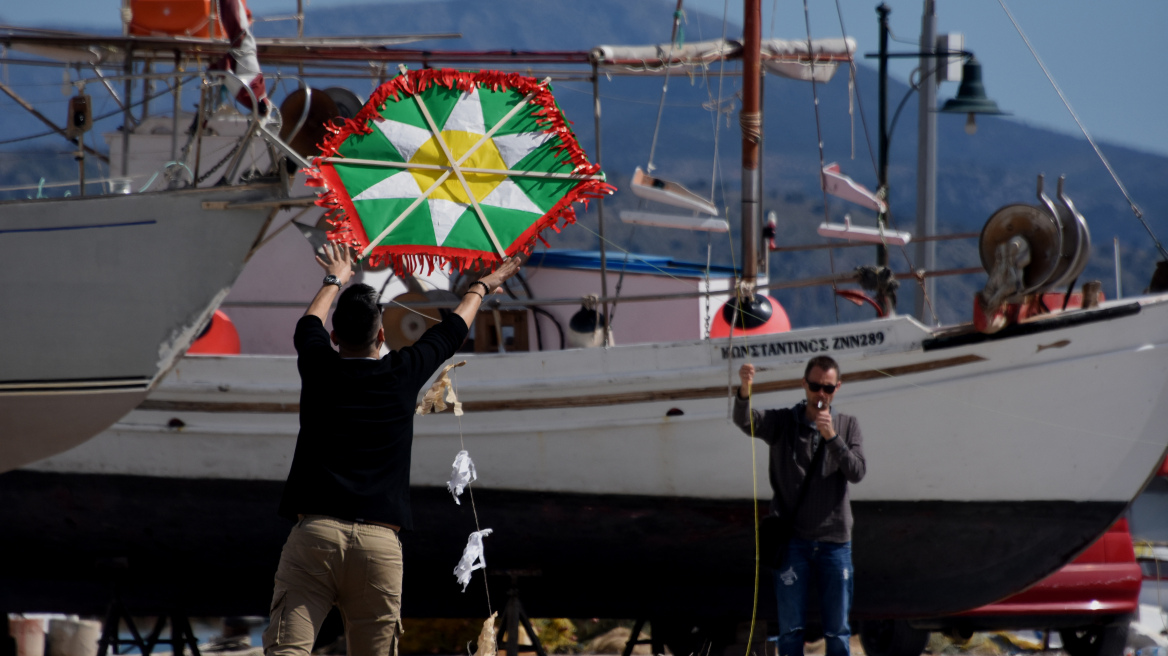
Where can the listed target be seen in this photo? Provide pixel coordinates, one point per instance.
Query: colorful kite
(445, 166)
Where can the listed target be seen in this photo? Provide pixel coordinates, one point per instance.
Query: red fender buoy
(777, 322)
(219, 337)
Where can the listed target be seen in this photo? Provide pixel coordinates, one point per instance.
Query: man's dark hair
(357, 317)
(824, 362)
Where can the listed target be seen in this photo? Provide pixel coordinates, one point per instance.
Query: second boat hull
(211, 547)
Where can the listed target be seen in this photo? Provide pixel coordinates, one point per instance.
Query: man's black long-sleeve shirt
(352, 458)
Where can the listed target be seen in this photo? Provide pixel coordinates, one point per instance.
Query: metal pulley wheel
(1038, 228)
(1076, 245)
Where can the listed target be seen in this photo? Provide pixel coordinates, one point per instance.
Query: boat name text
(803, 346)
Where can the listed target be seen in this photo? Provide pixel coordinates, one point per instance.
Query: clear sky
(1108, 56)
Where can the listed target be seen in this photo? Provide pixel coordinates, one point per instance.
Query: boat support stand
(656, 643)
(181, 635)
(513, 616)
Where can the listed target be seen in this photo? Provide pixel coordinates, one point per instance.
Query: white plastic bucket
(74, 637)
(29, 635)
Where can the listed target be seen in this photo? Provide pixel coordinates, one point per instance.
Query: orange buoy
(762, 316)
(219, 337)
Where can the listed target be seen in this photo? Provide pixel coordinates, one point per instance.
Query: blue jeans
(828, 566)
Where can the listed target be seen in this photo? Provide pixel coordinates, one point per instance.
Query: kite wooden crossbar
(453, 169)
(438, 167)
(461, 178)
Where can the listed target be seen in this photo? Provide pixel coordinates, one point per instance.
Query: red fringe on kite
(341, 214)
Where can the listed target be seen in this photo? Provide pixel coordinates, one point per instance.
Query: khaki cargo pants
(326, 562)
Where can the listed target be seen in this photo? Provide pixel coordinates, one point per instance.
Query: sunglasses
(816, 387)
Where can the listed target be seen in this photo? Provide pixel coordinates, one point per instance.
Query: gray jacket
(826, 513)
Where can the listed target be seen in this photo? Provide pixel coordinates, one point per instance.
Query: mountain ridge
(976, 175)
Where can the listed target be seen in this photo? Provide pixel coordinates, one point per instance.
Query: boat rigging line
(1103, 158)
(677, 14)
(918, 275)
(716, 181)
(116, 112)
(822, 162)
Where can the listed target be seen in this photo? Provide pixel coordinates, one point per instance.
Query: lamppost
(971, 100)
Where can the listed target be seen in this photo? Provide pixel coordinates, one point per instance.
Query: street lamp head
(971, 96)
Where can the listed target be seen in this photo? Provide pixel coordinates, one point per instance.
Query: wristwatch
(330, 279)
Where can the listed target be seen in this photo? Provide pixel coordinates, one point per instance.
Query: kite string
(420, 314)
(753, 479)
(470, 491)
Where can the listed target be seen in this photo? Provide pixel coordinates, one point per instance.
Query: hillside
(977, 174)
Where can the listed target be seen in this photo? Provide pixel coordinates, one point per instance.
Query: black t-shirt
(352, 458)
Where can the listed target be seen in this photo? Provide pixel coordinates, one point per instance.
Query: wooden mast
(750, 119)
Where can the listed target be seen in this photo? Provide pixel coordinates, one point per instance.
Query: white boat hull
(991, 461)
(105, 293)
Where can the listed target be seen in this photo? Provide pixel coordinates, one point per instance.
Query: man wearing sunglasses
(815, 453)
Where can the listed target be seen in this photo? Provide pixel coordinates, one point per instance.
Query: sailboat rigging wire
(859, 97)
(98, 118)
(661, 106)
(643, 261)
(620, 281)
(1103, 158)
(717, 111)
(853, 83)
(709, 254)
(852, 110)
(819, 142)
(470, 490)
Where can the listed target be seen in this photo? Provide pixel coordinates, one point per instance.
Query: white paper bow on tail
(472, 557)
(461, 475)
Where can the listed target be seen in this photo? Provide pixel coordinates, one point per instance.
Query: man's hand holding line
(746, 375)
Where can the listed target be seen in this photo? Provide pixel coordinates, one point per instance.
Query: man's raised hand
(337, 260)
(506, 270)
(746, 375)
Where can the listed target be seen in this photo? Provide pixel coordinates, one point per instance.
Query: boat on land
(144, 270)
(611, 477)
(113, 286)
